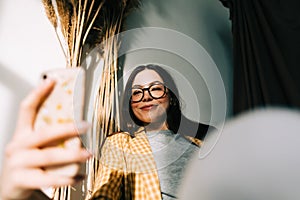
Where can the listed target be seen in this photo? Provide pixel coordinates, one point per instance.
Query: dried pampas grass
(86, 23)
(82, 25)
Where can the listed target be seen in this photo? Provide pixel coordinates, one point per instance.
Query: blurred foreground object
(256, 157)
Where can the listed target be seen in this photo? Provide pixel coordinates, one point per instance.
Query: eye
(157, 88)
(136, 92)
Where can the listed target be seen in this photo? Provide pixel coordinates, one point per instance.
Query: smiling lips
(148, 107)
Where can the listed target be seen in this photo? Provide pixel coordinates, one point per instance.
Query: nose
(147, 96)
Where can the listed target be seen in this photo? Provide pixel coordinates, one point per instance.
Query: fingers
(18, 180)
(54, 166)
(59, 133)
(65, 170)
(51, 135)
(48, 157)
(31, 103)
(37, 178)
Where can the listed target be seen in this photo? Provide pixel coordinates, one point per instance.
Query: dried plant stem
(106, 98)
(61, 45)
(92, 21)
(77, 49)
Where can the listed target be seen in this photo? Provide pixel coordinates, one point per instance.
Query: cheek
(134, 107)
(164, 103)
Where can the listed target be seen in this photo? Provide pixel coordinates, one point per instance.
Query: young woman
(148, 159)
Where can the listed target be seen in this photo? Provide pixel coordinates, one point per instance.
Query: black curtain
(266, 45)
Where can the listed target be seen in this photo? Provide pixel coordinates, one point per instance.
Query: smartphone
(65, 104)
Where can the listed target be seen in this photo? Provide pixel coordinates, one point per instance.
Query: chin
(147, 121)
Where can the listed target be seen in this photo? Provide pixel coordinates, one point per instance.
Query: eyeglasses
(156, 91)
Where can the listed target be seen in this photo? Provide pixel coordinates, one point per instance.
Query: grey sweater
(171, 152)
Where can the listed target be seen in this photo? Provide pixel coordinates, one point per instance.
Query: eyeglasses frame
(148, 89)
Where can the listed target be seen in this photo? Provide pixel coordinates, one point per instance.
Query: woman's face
(149, 110)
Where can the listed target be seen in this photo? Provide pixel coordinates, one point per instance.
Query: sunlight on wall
(28, 46)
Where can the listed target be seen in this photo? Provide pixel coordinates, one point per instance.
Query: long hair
(129, 122)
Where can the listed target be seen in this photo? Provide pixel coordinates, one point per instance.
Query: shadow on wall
(205, 21)
(19, 89)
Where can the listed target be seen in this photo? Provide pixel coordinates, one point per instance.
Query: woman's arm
(30, 154)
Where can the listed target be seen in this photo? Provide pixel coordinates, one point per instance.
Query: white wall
(28, 46)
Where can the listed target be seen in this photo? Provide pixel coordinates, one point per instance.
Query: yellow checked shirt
(127, 169)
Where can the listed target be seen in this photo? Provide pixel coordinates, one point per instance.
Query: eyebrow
(149, 84)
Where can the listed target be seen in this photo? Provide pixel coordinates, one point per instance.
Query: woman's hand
(31, 156)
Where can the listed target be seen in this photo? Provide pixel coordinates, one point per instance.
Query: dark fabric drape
(266, 45)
